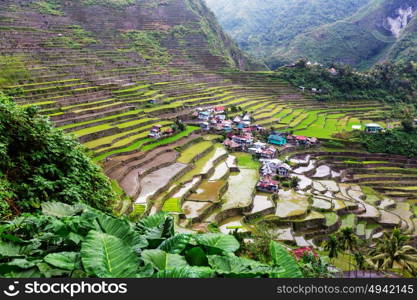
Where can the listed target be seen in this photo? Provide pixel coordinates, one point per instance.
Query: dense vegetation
(78, 241)
(395, 141)
(39, 163)
(388, 82)
(261, 27)
(358, 33)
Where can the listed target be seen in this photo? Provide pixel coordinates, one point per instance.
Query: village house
(373, 128)
(204, 115)
(219, 110)
(275, 167)
(168, 131)
(333, 71)
(298, 140)
(276, 139)
(155, 132)
(244, 140)
(262, 150)
(237, 120)
(231, 145)
(267, 185)
(205, 126)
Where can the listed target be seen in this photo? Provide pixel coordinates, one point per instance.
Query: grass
(138, 144)
(172, 205)
(245, 160)
(348, 221)
(191, 152)
(171, 139)
(331, 218)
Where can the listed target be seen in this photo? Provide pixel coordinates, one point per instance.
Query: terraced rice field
(109, 97)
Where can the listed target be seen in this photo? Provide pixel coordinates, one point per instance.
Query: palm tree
(332, 245)
(348, 241)
(360, 261)
(393, 252)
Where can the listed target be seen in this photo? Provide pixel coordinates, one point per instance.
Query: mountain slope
(384, 29)
(263, 26)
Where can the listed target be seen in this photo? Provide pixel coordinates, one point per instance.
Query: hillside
(133, 81)
(382, 30)
(263, 27)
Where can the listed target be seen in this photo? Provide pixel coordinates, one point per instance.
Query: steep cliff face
(375, 33)
(262, 27)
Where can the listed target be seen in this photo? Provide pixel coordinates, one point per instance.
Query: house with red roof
(267, 185)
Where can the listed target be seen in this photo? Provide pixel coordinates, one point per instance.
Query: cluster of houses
(215, 118)
(271, 168)
(266, 152)
(285, 138)
(156, 132)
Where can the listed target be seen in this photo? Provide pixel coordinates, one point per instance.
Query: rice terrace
(182, 122)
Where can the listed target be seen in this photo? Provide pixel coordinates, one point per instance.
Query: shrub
(39, 163)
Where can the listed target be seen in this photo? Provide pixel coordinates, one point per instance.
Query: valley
(127, 86)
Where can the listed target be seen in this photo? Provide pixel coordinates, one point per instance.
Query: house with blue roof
(276, 139)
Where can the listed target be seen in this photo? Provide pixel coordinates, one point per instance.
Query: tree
(40, 163)
(332, 245)
(348, 242)
(394, 252)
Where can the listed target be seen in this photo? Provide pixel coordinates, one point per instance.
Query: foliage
(394, 141)
(111, 3)
(48, 8)
(12, 69)
(394, 252)
(262, 26)
(148, 45)
(85, 242)
(39, 163)
(315, 267)
(388, 82)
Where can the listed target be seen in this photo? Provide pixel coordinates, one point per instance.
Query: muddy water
(187, 187)
(220, 171)
(231, 161)
(301, 160)
(291, 204)
(304, 182)
(210, 163)
(321, 204)
(193, 209)
(241, 187)
(208, 191)
(322, 171)
(330, 185)
(231, 224)
(261, 202)
(157, 180)
(302, 170)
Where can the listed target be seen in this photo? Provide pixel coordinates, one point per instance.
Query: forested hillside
(359, 33)
(263, 27)
(381, 31)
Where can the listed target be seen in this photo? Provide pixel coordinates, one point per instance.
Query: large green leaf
(104, 255)
(233, 266)
(9, 250)
(196, 257)
(64, 260)
(162, 260)
(156, 227)
(48, 271)
(281, 257)
(121, 229)
(186, 272)
(219, 241)
(59, 209)
(175, 244)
